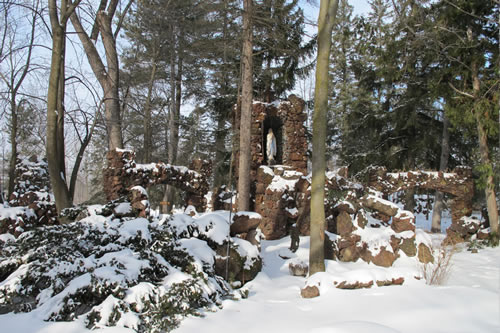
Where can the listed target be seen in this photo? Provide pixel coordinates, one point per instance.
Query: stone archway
(123, 173)
(458, 183)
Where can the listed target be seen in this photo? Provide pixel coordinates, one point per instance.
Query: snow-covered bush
(31, 204)
(129, 272)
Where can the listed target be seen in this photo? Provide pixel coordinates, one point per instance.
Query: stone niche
(286, 119)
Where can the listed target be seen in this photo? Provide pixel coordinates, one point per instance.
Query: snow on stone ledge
(140, 189)
(267, 170)
(250, 215)
(281, 184)
(382, 201)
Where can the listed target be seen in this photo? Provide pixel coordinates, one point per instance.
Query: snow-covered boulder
(236, 260)
(464, 229)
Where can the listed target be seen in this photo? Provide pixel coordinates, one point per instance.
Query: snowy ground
(469, 301)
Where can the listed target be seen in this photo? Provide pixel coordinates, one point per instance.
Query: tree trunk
(61, 110)
(326, 19)
(443, 165)
(172, 119)
(79, 158)
(148, 140)
(111, 87)
(491, 202)
(221, 111)
(173, 126)
(409, 195)
(178, 101)
(57, 179)
(246, 109)
(220, 150)
(13, 144)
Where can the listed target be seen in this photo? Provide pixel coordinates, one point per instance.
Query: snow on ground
(467, 302)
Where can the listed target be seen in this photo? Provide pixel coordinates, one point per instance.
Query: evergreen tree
(279, 48)
(391, 118)
(468, 45)
(196, 138)
(342, 82)
(223, 66)
(145, 65)
(365, 124)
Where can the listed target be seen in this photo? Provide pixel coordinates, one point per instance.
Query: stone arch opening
(457, 184)
(123, 173)
(276, 124)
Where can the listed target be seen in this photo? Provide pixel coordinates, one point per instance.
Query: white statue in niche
(271, 147)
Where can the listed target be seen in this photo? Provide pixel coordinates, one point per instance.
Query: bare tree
(55, 102)
(18, 59)
(107, 75)
(84, 124)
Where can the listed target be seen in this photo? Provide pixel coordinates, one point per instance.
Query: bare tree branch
(122, 17)
(463, 93)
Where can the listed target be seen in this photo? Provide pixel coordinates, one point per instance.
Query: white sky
(361, 7)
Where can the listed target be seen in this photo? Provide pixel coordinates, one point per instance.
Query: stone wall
(123, 173)
(458, 183)
(353, 216)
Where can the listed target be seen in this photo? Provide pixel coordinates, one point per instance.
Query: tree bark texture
(246, 109)
(148, 140)
(220, 150)
(54, 100)
(443, 165)
(61, 110)
(491, 202)
(173, 125)
(221, 109)
(13, 144)
(326, 19)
